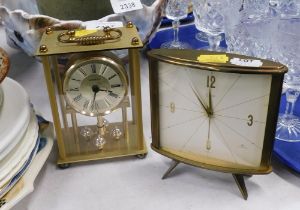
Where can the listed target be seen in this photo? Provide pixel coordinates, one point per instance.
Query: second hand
(208, 143)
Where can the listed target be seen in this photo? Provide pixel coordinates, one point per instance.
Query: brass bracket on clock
(110, 34)
(238, 178)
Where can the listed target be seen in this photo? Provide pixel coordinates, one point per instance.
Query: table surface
(131, 183)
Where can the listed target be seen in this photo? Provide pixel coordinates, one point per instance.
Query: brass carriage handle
(110, 34)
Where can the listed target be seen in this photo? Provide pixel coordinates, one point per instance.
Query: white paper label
(120, 6)
(96, 24)
(246, 62)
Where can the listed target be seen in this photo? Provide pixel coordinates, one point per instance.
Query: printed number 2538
(127, 5)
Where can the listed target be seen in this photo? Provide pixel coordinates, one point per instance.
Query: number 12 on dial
(212, 115)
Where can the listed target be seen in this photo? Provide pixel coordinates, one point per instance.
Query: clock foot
(170, 169)
(239, 180)
(141, 156)
(64, 165)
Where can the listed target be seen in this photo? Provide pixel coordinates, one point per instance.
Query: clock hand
(93, 102)
(210, 114)
(202, 104)
(208, 143)
(210, 107)
(95, 89)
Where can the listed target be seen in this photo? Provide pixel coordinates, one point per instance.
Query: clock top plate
(218, 61)
(56, 47)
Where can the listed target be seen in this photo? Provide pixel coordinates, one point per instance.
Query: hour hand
(200, 101)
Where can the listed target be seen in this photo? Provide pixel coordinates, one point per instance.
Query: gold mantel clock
(95, 99)
(215, 110)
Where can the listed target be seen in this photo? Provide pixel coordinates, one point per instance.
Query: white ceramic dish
(25, 184)
(20, 153)
(14, 116)
(21, 171)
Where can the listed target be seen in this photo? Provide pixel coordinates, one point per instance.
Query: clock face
(95, 86)
(210, 116)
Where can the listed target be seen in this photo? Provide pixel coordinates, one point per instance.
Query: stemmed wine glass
(176, 10)
(249, 28)
(256, 9)
(200, 36)
(210, 20)
(232, 16)
(286, 8)
(288, 36)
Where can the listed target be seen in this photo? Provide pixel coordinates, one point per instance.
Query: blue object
(41, 119)
(288, 152)
(21, 171)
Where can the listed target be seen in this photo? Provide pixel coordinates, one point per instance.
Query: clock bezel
(188, 58)
(101, 57)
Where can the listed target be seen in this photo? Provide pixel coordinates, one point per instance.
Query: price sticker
(120, 6)
(220, 58)
(246, 62)
(93, 26)
(96, 24)
(83, 32)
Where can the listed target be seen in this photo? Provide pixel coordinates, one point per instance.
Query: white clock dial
(234, 130)
(94, 87)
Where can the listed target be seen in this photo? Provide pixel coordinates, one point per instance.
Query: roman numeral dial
(95, 86)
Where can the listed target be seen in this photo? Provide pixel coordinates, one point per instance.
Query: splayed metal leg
(171, 168)
(239, 180)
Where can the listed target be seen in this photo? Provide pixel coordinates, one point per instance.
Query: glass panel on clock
(95, 103)
(213, 117)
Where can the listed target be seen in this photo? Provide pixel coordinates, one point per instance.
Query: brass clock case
(188, 59)
(84, 132)
(215, 110)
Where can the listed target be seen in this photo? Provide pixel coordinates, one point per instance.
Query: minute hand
(200, 101)
(210, 107)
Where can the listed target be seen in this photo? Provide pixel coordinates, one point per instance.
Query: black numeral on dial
(250, 120)
(83, 72)
(77, 80)
(113, 94)
(104, 70)
(210, 82)
(93, 67)
(111, 77)
(74, 89)
(77, 98)
(116, 85)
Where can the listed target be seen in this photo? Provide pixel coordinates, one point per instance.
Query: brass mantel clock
(215, 110)
(95, 99)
